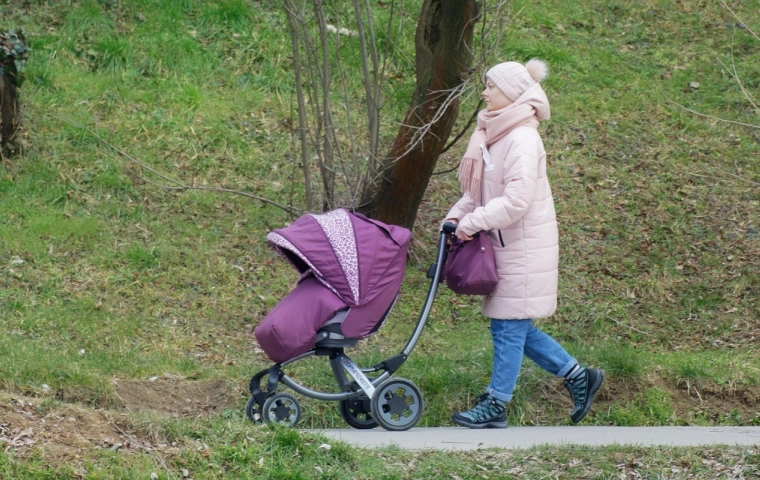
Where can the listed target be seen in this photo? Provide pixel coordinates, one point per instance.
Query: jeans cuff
(566, 369)
(499, 396)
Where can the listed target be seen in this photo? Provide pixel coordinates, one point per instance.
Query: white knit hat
(514, 79)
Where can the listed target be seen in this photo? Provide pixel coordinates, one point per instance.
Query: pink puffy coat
(518, 209)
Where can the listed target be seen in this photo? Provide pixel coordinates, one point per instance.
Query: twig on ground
(733, 175)
(740, 20)
(551, 386)
(177, 185)
(732, 71)
(727, 173)
(628, 326)
(132, 439)
(709, 116)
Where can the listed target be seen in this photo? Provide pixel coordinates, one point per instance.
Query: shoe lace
(485, 409)
(577, 389)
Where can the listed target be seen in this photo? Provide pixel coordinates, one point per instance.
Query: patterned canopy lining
(340, 232)
(281, 244)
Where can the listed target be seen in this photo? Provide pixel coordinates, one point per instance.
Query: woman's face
(495, 98)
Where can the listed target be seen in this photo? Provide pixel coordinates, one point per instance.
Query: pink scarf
(491, 127)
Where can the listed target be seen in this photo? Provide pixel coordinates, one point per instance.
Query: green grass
(230, 448)
(104, 273)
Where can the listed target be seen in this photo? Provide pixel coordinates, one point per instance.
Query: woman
(507, 194)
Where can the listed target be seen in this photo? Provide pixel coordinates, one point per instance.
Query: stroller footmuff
(291, 327)
(351, 271)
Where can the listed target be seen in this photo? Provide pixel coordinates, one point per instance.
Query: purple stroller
(351, 270)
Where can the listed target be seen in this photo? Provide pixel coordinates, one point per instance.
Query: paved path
(457, 438)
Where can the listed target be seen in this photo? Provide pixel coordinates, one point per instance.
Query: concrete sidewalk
(458, 438)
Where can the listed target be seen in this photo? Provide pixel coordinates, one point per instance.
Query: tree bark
(444, 56)
(10, 116)
(13, 53)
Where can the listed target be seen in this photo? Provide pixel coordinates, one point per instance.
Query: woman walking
(507, 194)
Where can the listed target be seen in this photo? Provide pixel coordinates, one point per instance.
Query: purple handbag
(471, 266)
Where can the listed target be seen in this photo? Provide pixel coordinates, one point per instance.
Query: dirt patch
(72, 433)
(688, 399)
(718, 400)
(63, 434)
(179, 398)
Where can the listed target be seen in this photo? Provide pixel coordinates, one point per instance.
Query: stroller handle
(449, 227)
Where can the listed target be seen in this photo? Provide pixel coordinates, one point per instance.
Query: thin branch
(739, 20)
(732, 71)
(315, 74)
(177, 185)
(464, 130)
(627, 326)
(709, 116)
(731, 175)
(466, 127)
(135, 441)
(444, 172)
(419, 132)
(329, 140)
(452, 95)
(302, 135)
(492, 31)
(371, 84)
(351, 172)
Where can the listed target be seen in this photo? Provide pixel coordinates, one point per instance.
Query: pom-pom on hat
(514, 79)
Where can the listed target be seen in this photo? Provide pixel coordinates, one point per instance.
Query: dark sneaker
(488, 413)
(582, 388)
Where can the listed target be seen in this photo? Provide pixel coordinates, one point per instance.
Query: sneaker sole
(467, 424)
(591, 395)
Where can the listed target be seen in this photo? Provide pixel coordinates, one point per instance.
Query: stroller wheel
(282, 408)
(357, 413)
(253, 410)
(397, 404)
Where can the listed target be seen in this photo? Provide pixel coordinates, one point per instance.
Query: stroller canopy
(351, 269)
(354, 256)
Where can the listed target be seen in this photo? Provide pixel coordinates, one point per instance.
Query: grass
(228, 448)
(105, 275)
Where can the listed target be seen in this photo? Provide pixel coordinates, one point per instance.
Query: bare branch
(740, 20)
(302, 134)
(737, 177)
(492, 32)
(328, 178)
(465, 128)
(315, 74)
(709, 116)
(351, 171)
(453, 95)
(175, 184)
(628, 326)
(732, 71)
(371, 85)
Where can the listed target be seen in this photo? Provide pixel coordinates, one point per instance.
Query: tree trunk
(10, 116)
(13, 53)
(443, 61)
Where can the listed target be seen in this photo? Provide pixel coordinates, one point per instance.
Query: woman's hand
(462, 236)
(459, 234)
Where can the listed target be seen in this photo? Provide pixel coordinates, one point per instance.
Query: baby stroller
(351, 270)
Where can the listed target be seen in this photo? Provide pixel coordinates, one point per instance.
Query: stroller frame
(366, 400)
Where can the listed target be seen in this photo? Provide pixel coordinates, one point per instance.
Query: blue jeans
(511, 340)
